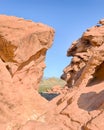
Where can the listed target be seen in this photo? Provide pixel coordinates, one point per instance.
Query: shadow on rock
(91, 101)
(94, 82)
(49, 96)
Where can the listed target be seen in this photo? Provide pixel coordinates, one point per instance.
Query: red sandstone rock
(23, 46)
(86, 51)
(21, 107)
(82, 108)
(57, 89)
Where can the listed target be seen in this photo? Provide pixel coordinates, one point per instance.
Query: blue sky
(69, 18)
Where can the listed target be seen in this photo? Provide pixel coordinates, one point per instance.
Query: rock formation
(82, 108)
(23, 46)
(87, 53)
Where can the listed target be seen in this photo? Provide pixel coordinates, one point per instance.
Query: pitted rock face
(82, 51)
(82, 108)
(23, 47)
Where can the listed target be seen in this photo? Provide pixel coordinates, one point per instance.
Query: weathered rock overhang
(23, 47)
(87, 57)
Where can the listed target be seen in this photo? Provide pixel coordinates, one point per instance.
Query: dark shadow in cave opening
(98, 76)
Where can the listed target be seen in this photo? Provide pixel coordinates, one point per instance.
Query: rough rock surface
(57, 89)
(23, 46)
(22, 50)
(87, 53)
(82, 108)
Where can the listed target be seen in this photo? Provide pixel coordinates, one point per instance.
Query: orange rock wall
(23, 47)
(87, 55)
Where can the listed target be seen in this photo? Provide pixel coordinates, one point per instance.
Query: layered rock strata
(87, 53)
(82, 107)
(21, 107)
(23, 47)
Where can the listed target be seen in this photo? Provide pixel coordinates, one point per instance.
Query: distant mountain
(48, 83)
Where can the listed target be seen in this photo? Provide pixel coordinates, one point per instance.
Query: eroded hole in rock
(9, 69)
(98, 76)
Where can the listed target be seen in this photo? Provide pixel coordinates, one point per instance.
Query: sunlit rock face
(87, 57)
(82, 107)
(23, 47)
